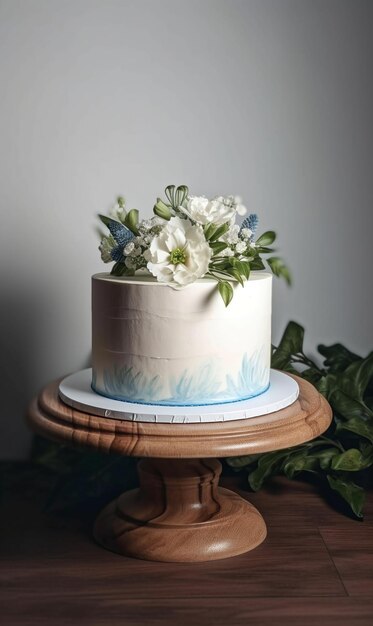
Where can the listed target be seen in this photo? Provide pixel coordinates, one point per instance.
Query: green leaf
(357, 377)
(120, 269)
(209, 231)
(219, 232)
(235, 274)
(351, 493)
(257, 264)
(218, 246)
(337, 357)
(240, 462)
(347, 406)
(279, 268)
(226, 291)
(264, 250)
(162, 210)
(181, 195)
(350, 461)
(358, 426)
(312, 375)
(266, 239)
(131, 220)
(327, 385)
(243, 267)
(268, 464)
(291, 343)
(170, 194)
(299, 464)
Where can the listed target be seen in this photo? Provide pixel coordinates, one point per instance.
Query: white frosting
(155, 344)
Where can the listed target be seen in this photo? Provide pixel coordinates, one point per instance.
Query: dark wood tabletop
(315, 566)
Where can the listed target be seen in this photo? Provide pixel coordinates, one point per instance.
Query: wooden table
(179, 513)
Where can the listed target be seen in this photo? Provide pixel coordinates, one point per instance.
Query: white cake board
(76, 391)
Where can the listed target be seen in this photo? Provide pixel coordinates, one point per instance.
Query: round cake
(153, 344)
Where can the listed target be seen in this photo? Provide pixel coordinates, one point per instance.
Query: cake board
(76, 391)
(179, 513)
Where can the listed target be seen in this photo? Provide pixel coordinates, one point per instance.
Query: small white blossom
(106, 246)
(136, 251)
(246, 233)
(227, 252)
(241, 246)
(180, 254)
(240, 208)
(231, 236)
(117, 212)
(130, 263)
(128, 248)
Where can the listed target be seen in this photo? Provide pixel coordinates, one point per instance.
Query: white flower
(240, 208)
(136, 251)
(246, 233)
(231, 236)
(227, 252)
(130, 263)
(179, 254)
(128, 248)
(205, 211)
(118, 213)
(241, 246)
(106, 246)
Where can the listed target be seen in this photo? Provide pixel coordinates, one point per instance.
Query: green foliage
(346, 449)
(226, 291)
(161, 209)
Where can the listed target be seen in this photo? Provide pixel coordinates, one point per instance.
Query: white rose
(179, 254)
(205, 211)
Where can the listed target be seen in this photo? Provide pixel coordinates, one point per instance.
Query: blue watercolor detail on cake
(197, 389)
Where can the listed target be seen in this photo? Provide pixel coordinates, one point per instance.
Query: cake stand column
(179, 513)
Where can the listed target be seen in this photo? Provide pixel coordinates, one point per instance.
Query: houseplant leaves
(342, 458)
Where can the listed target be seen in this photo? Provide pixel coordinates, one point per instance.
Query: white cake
(153, 344)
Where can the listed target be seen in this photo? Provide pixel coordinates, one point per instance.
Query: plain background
(269, 99)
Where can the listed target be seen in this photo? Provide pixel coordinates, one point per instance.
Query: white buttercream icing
(153, 344)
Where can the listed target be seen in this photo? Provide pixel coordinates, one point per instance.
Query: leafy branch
(342, 458)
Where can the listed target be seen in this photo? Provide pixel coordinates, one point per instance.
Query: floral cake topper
(188, 238)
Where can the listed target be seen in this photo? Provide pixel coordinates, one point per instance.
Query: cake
(184, 317)
(152, 344)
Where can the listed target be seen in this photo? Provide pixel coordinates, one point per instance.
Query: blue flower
(122, 236)
(250, 222)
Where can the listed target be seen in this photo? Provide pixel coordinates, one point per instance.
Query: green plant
(343, 456)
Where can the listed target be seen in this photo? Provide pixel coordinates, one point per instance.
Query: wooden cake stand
(179, 513)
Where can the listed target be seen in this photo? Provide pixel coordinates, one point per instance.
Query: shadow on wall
(25, 358)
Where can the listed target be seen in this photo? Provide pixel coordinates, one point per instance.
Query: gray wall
(271, 99)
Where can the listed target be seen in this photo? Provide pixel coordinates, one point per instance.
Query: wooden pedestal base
(179, 513)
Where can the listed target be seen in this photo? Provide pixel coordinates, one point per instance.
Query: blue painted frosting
(201, 387)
